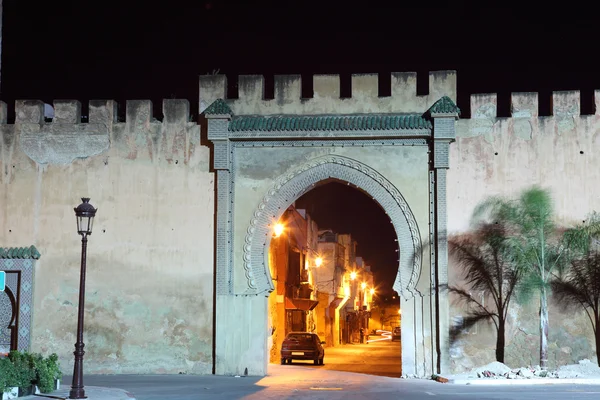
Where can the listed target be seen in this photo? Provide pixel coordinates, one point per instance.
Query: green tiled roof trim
(19, 252)
(328, 123)
(445, 105)
(218, 107)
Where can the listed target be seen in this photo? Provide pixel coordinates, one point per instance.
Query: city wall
(149, 303)
(503, 156)
(149, 292)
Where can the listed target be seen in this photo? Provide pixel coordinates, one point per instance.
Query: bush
(7, 375)
(47, 370)
(22, 369)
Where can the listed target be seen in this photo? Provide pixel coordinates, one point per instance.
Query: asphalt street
(303, 382)
(379, 357)
(366, 371)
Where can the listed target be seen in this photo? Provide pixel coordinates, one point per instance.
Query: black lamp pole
(85, 213)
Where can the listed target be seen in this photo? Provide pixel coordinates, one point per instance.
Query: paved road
(378, 365)
(379, 357)
(306, 382)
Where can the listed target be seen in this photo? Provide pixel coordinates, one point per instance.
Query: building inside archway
(326, 281)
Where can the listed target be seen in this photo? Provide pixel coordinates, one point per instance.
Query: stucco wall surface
(150, 267)
(503, 156)
(326, 98)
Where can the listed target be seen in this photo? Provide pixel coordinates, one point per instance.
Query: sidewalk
(457, 380)
(92, 393)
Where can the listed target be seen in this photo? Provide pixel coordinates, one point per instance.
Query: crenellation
(524, 105)
(251, 88)
(67, 112)
(288, 88)
(138, 113)
(365, 85)
(326, 86)
(566, 102)
(326, 98)
(102, 112)
(442, 83)
(3, 112)
(404, 84)
(596, 102)
(29, 112)
(484, 105)
(176, 111)
(212, 87)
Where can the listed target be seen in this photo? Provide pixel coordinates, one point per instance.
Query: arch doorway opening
(333, 259)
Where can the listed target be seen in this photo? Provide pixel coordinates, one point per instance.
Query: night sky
(130, 49)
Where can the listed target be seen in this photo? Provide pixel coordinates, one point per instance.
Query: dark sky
(130, 49)
(345, 209)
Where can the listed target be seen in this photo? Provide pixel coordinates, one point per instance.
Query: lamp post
(85, 213)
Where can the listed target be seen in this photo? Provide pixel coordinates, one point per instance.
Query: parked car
(396, 334)
(302, 346)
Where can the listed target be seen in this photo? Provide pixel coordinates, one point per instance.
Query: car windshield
(300, 337)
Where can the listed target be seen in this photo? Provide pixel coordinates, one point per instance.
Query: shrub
(22, 369)
(47, 370)
(7, 375)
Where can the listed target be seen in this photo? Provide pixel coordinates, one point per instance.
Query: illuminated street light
(363, 285)
(372, 291)
(278, 230)
(318, 261)
(353, 275)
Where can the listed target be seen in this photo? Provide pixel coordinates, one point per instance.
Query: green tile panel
(328, 123)
(445, 105)
(218, 107)
(19, 252)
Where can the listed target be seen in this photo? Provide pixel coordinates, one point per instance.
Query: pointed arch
(291, 186)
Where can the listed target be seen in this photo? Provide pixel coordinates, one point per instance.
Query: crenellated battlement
(138, 112)
(526, 104)
(525, 120)
(66, 138)
(326, 94)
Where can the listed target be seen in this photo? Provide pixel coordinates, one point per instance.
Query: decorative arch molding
(291, 186)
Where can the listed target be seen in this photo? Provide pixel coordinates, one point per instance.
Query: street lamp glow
(353, 275)
(278, 229)
(372, 291)
(363, 285)
(318, 261)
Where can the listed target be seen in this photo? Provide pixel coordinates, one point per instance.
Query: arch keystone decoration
(291, 186)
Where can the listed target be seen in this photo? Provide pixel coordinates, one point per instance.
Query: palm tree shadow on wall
(485, 259)
(579, 288)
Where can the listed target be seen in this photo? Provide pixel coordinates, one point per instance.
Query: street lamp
(318, 262)
(85, 213)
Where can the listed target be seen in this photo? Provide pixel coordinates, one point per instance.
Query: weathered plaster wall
(326, 94)
(149, 289)
(502, 156)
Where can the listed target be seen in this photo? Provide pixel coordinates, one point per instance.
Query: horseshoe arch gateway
(264, 160)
